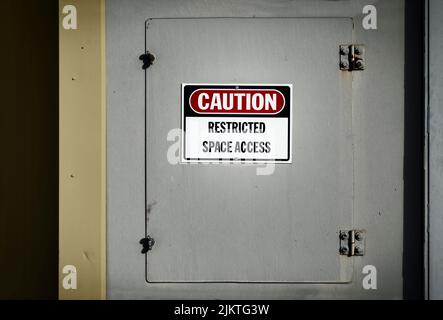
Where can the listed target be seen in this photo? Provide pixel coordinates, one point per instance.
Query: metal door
(235, 231)
(243, 222)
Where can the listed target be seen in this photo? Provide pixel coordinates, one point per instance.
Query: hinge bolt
(344, 64)
(357, 250)
(344, 50)
(343, 235)
(344, 250)
(358, 236)
(359, 64)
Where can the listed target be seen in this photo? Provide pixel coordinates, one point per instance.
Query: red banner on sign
(237, 101)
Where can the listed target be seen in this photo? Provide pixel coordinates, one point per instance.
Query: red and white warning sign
(237, 123)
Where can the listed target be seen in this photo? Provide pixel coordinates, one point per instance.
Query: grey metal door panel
(225, 223)
(377, 108)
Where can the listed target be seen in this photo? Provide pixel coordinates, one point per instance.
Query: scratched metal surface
(436, 147)
(377, 120)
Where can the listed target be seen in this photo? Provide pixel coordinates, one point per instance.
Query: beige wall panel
(82, 151)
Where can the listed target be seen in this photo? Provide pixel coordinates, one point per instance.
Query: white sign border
(233, 161)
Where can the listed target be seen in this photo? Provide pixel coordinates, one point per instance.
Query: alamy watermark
(173, 156)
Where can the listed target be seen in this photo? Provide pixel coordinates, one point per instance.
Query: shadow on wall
(414, 201)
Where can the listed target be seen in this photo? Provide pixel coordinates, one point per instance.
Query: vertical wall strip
(435, 150)
(82, 209)
(426, 155)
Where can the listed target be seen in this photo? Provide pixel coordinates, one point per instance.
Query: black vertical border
(414, 135)
(29, 161)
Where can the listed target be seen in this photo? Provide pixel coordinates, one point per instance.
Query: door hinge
(352, 57)
(352, 242)
(148, 59)
(147, 243)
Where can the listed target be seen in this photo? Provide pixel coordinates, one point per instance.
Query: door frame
(90, 219)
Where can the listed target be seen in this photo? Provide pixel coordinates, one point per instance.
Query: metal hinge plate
(352, 242)
(352, 57)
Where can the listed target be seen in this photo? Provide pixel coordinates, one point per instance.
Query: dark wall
(29, 150)
(414, 174)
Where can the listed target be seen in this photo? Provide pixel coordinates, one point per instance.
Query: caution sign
(237, 123)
